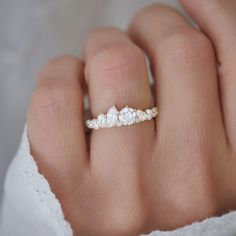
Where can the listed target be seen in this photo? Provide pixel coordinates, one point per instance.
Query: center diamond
(127, 116)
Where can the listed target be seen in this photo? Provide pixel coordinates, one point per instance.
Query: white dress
(31, 32)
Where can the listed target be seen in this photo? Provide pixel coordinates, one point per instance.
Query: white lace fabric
(31, 208)
(40, 188)
(33, 192)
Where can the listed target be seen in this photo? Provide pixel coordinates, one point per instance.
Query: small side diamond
(154, 111)
(88, 123)
(127, 116)
(94, 124)
(141, 116)
(112, 116)
(119, 123)
(102, 122)
(149, 114)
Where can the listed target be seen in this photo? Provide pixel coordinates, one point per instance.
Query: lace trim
(220, 226)
(39, 186)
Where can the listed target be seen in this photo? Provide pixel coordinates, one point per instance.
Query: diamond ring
(116, 118)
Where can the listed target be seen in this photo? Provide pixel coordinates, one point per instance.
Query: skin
(159, 174)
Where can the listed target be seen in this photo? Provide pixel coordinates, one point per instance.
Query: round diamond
(141, 115)
(154, 111)
(127, 116)
(94, 124)
(88, 123)
(149, 114)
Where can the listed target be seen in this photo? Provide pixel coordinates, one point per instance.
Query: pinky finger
(55, 124)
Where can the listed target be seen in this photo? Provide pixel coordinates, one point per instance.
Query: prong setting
(126, 116)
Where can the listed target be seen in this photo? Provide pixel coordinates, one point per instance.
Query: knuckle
(124, 223)
(190, 209)
(57, 86)
(110, 63)
(196, 197)
(187, 45)
(197, 190)
(125, 219)
(123, 210)
(118, 56)
(53, 96)
(64, 65)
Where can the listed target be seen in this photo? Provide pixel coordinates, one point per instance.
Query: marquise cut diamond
(112, 116)
(102, 122)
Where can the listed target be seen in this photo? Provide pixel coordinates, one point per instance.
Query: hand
(159, 174)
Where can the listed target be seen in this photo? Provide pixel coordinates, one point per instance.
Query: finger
(55, 125)
(221, 30)
(184, 69)
(116, 74)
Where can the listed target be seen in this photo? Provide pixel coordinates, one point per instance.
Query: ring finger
(116, 74)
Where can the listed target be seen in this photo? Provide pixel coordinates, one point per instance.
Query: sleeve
(30, 208)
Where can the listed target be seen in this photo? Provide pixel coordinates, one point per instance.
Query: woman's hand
(159, 174)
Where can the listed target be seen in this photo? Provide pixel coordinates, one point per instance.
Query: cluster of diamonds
(126, 116)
